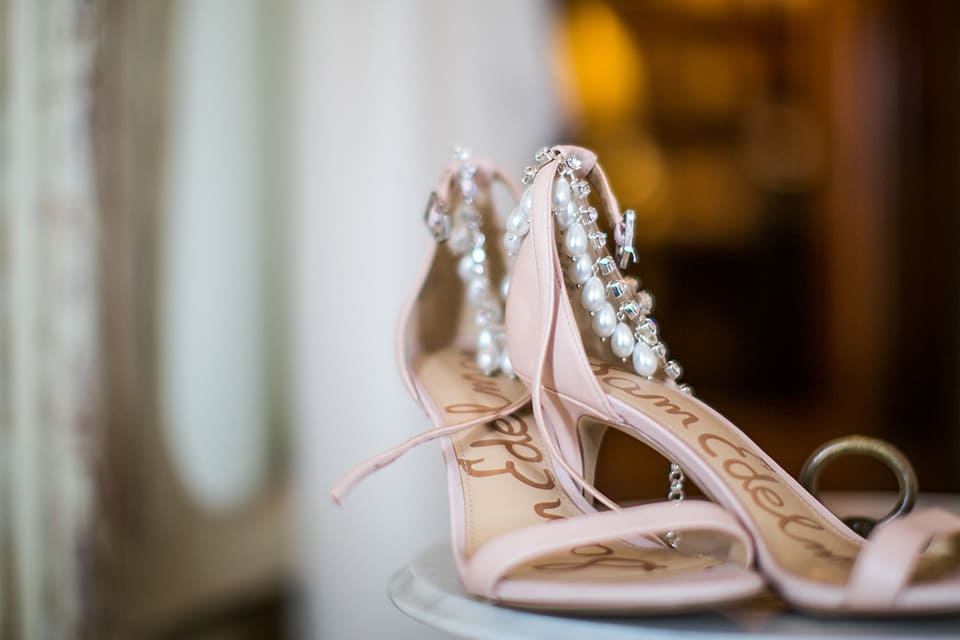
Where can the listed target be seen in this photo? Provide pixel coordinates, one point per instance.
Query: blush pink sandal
(908, 566)
(518, 538)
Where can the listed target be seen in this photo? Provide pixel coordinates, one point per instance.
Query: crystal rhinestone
(581, 188)
(645, 300)
(477, 288)
(618, 288)
(574, 163)
(660, 350)
(437, 220)
(673, 370)
(630, 309)
(461, 153)
(588, 215)
(468, 188)
(505, 286)
(647, 330)
(529, 174)
(543, 155)
(606, 265)
(599, 239)
(644, 361)
(685, 388)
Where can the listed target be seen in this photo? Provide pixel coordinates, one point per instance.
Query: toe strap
(488, 565)
(888, 559)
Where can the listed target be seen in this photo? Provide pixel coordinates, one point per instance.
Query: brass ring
(880, 450)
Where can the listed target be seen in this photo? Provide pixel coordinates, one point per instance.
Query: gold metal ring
(880, 450)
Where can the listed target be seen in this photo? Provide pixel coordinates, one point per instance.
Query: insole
(800, 539)
(507, 481)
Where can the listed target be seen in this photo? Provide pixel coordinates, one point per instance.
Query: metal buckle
(624, 238)
(874, 448)
(436, 218)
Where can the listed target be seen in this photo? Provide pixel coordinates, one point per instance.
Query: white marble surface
(428, 590)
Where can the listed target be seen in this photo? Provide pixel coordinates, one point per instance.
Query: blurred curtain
(382, 93)
(49, 365)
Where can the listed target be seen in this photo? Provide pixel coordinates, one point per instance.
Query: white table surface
(429, 590)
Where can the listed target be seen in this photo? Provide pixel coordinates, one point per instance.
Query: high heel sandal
(908, 566)
(518, 537)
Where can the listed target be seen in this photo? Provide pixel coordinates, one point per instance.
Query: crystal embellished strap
(461, 231)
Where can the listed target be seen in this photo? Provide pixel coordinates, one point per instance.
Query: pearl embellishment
(567, 215)
(561, 194)
(581, 269)
(526, 200)
(605, 320)
(593, 295)
(575, 242)
(644, 360)
(517, 223)
(621, 342)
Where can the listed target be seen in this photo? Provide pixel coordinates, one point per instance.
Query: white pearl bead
(505, 286)
(561, 194)
(526, 200)
(469, 269)
(477, 288)
(593, 295)
(485, 339)
(581, 269)
(459, 239)
(517, 223)
(506, 366)
(567, 215)
(622, 341)
(575, 242)
(487, 359)
(511, 243)
(605, 320)
(644, 360)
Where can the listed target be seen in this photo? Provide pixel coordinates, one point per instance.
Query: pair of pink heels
(521, 401)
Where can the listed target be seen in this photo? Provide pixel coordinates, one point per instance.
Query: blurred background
(210, 212)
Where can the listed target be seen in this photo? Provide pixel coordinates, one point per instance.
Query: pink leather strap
(887, 561)
(350, 479)
(487, 567)
(554, 312)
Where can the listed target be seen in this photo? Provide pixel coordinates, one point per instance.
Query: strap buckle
(437, 219)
